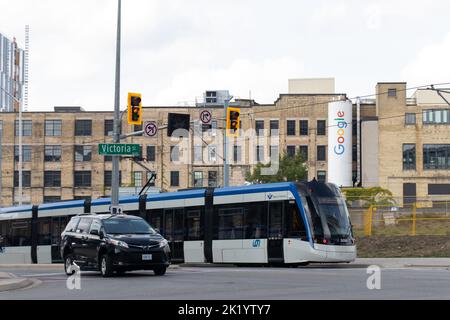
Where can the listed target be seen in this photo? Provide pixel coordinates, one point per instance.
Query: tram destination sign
(119, 149)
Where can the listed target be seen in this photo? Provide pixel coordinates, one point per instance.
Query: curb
(15, 284)
(31, 266)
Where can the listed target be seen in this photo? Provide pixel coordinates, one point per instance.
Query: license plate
(147, 257)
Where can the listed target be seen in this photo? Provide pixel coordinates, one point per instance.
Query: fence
(424, 217)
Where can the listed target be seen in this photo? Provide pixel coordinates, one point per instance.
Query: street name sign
(119, 149)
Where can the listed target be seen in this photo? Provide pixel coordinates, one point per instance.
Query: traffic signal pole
(117, 123)
(226, 166)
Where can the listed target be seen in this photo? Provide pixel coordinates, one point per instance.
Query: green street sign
(119, 149)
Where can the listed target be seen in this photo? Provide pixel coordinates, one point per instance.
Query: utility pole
(226, 166)
(117, 123)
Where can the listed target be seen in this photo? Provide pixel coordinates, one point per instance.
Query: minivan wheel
(160, 271)
(68, 263)
(106, 266)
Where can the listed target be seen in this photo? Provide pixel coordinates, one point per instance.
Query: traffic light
(135, 108)
(233, 122)
(179, 125)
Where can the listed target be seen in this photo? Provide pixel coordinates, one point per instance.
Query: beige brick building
(62, 161)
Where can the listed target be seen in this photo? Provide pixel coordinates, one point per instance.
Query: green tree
(370, 196)
(291, 168)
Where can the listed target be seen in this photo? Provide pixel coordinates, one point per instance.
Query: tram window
(4, 234)
(317, 222)
(83, 226)
(156, 219)
(168, 225)
(178, 225)
(256, 220)
(231, 224)
(294, 223)
(275, 220)
(20, 233)
(44, 232)
(194, 225)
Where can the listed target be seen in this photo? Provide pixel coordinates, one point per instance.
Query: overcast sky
(175, 50)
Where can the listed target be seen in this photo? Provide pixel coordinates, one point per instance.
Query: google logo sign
(342, 125)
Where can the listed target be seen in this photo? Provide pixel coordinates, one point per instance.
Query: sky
(173, 51)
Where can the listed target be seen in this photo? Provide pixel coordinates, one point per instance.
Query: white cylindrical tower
(340, 146)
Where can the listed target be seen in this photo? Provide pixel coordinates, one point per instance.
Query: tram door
(174, 232)
(275, 233)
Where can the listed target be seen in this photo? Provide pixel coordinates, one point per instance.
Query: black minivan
(113, 243)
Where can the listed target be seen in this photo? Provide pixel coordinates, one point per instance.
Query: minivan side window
(72, 225)
(96, 225)
(83, 226)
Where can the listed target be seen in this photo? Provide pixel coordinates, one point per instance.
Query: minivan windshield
(127, 226)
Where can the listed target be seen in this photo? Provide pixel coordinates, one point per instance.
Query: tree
(292, 168)
(370, 196)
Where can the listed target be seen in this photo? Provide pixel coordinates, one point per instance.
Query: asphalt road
(217, 283)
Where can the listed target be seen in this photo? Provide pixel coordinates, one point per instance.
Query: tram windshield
(336, 215)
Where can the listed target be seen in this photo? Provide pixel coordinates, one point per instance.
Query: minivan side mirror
(101, 234)
(95, 233)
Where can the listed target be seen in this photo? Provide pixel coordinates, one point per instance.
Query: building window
(137, 178)
(304, 152)
(436, 156)
(52, 153)
(108, 158)
(83, 128)
(392, 92)
(109, 128)
(174, 178)
(83, 153)
(439, 189)
(304, 128)
(409, 157)
(151, 153)
(259, 128)
(83, 179)
(436, 116)
(26, 179)
(138, 128)
(198, 179)
(26, 128)
(410, 118)
(26, 153)
(322, 176)
(53, 128)
(321, 153)
(274, 127)
(52, 179)
(212, 153)
(321, 127)
(212, 179)
(259, 153)
(198, 154)
(237, 154)
(52, 199)
(291, 127)
(174, 153)
(108, 178)
(291, 151)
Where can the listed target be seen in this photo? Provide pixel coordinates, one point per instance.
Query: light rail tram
(275, 224)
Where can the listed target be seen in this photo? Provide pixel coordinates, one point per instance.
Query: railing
(421, 218)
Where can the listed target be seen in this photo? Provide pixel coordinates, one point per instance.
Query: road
(230, 283)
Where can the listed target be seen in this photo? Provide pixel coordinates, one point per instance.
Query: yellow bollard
(368, 222)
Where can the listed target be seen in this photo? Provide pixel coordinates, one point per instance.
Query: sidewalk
(11, 282)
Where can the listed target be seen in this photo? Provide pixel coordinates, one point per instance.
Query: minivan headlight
(118, 243)
(163, 243)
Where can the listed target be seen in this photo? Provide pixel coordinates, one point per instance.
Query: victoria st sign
(119, 149)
